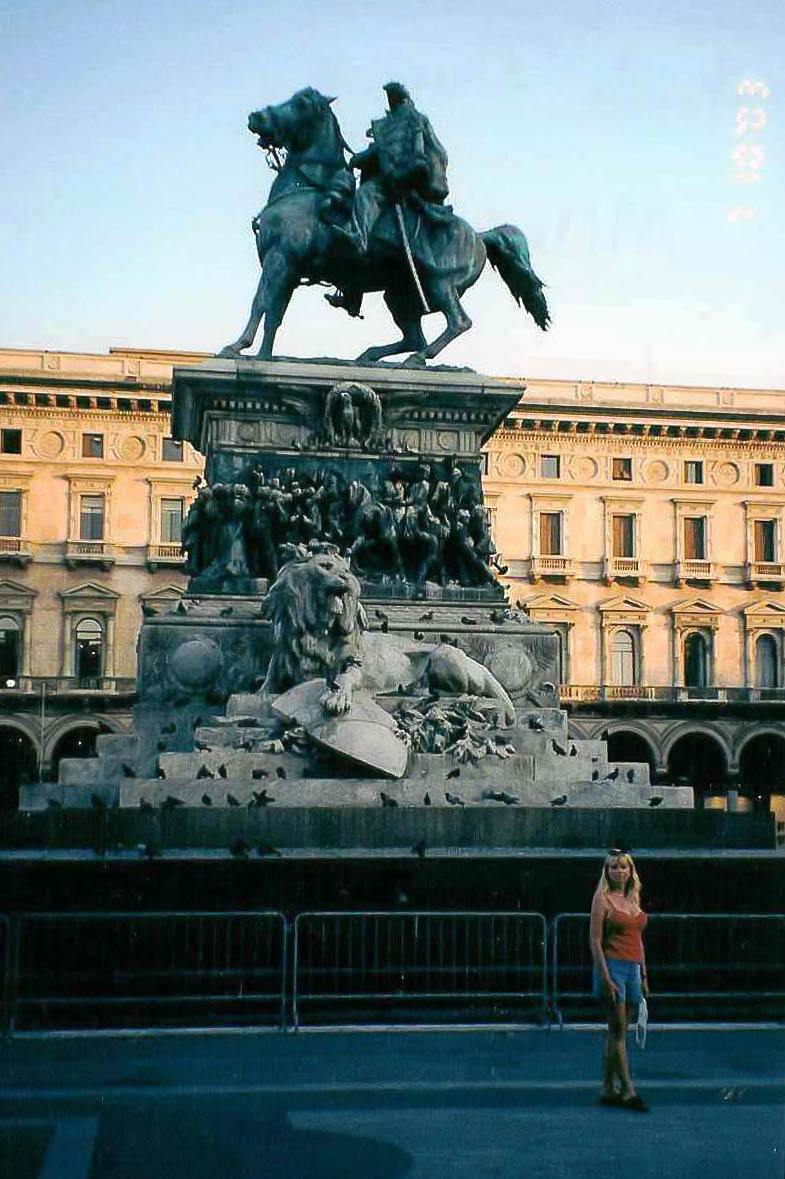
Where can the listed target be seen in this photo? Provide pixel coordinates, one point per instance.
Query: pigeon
(595, 775)
(630, 775)
(128, 771)
(380, 614)
(181, 607)
(427, 800)
(560, 801)
(97, 803)
(456, 773)
(613, 775)
(558, 749)
(453, 799)
(501, 796)
(222, 771)
(262, 798)
(200, 745)
(54, 804)
(656, 800)
(419, 849)
(280, 772)
(257, 775)
(246, 746)
(426, 617)
(167, 730)
(206, 800)
(161, 746)
(574, 751)
(159, 772)
(170, 802)
(467, 621)
(419, 635)
(266, 849)
(498, 617)
(227, 610)
(148, 610)
(240, 849)
(536, 725)
(146, 806)
(230, 798)
(387, 801)
(204, 772)
(195, 723)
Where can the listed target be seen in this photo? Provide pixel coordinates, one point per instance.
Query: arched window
(623, 658)
(766, 662)
(89, 654)
(9, 652)
(696, 661)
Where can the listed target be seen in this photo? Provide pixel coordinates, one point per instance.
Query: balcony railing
(88, 552)
(550, 565)
(164, 554)
(628, 567)
(692, 569)
(57, 685)
(669, 693)
(15, 549)
(757, 572)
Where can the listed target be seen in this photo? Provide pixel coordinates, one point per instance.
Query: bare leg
(405, 312)
(615, 1064)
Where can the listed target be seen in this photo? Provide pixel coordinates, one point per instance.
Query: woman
(617, 923)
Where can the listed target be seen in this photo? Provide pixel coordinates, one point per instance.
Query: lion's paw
(336, 701)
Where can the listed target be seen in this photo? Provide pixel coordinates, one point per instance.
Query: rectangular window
(624, 536)
(171, 521)
(695, 538)
(172, 451)
(693, 471)
(765, 540)
(622, 469)
(550, 534)
(91, 517)
(764, 474)
(92, 446)
(11, 441)
(550, 466)
(10, 513)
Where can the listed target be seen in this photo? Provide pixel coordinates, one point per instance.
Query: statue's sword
(408, 251)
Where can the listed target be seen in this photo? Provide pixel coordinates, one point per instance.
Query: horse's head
(290, 124)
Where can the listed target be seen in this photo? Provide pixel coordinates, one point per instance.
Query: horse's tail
(508, 252)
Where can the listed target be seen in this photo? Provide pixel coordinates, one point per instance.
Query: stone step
(229, 736)
(237, 763)
(123, 745)
(246, 704)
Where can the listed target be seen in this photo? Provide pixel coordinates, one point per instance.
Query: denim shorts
(626, 976)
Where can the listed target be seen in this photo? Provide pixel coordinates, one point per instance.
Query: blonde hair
(632, 888)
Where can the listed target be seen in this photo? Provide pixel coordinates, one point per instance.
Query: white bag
(641, 1026)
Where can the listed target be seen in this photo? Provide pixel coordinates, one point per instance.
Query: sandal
(635, 1103)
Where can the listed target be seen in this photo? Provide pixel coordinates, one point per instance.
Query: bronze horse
(296, 245)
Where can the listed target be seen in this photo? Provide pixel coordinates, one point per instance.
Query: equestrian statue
(390, 232)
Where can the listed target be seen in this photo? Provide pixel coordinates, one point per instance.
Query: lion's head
(314, 606)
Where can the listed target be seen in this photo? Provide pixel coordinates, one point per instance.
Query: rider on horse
(405, 164)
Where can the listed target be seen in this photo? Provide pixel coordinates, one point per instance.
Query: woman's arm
(598, 911)
(644, 975)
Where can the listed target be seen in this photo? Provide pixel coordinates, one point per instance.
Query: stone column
(27, 645)
(109, 658)
(68, 646)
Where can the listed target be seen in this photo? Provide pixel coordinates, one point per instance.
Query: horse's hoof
(367, 357)
(416, 360)
(230, 352)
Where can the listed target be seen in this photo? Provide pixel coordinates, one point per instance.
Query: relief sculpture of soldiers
(392, 231)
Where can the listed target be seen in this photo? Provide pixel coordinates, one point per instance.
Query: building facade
(645, 523)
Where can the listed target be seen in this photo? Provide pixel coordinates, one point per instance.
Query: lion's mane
(311, 637)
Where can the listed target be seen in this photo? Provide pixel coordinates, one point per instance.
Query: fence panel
(705, 965)
(104, 969)
(386, 965)
(5, 976)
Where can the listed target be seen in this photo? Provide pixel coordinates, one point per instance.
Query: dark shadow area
(18, 765)
(169, 1140)
(697, 760)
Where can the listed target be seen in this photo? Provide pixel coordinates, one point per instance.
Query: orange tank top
(622, 935)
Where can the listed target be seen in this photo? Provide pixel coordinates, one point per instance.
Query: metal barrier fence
(148, 969)
(5, 978)
(420, 960)
(691, 956)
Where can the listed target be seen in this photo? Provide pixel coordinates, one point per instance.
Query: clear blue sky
(605, 130)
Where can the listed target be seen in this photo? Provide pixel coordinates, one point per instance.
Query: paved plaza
(378, 1105)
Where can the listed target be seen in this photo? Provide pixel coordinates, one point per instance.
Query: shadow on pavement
(173, 1142)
